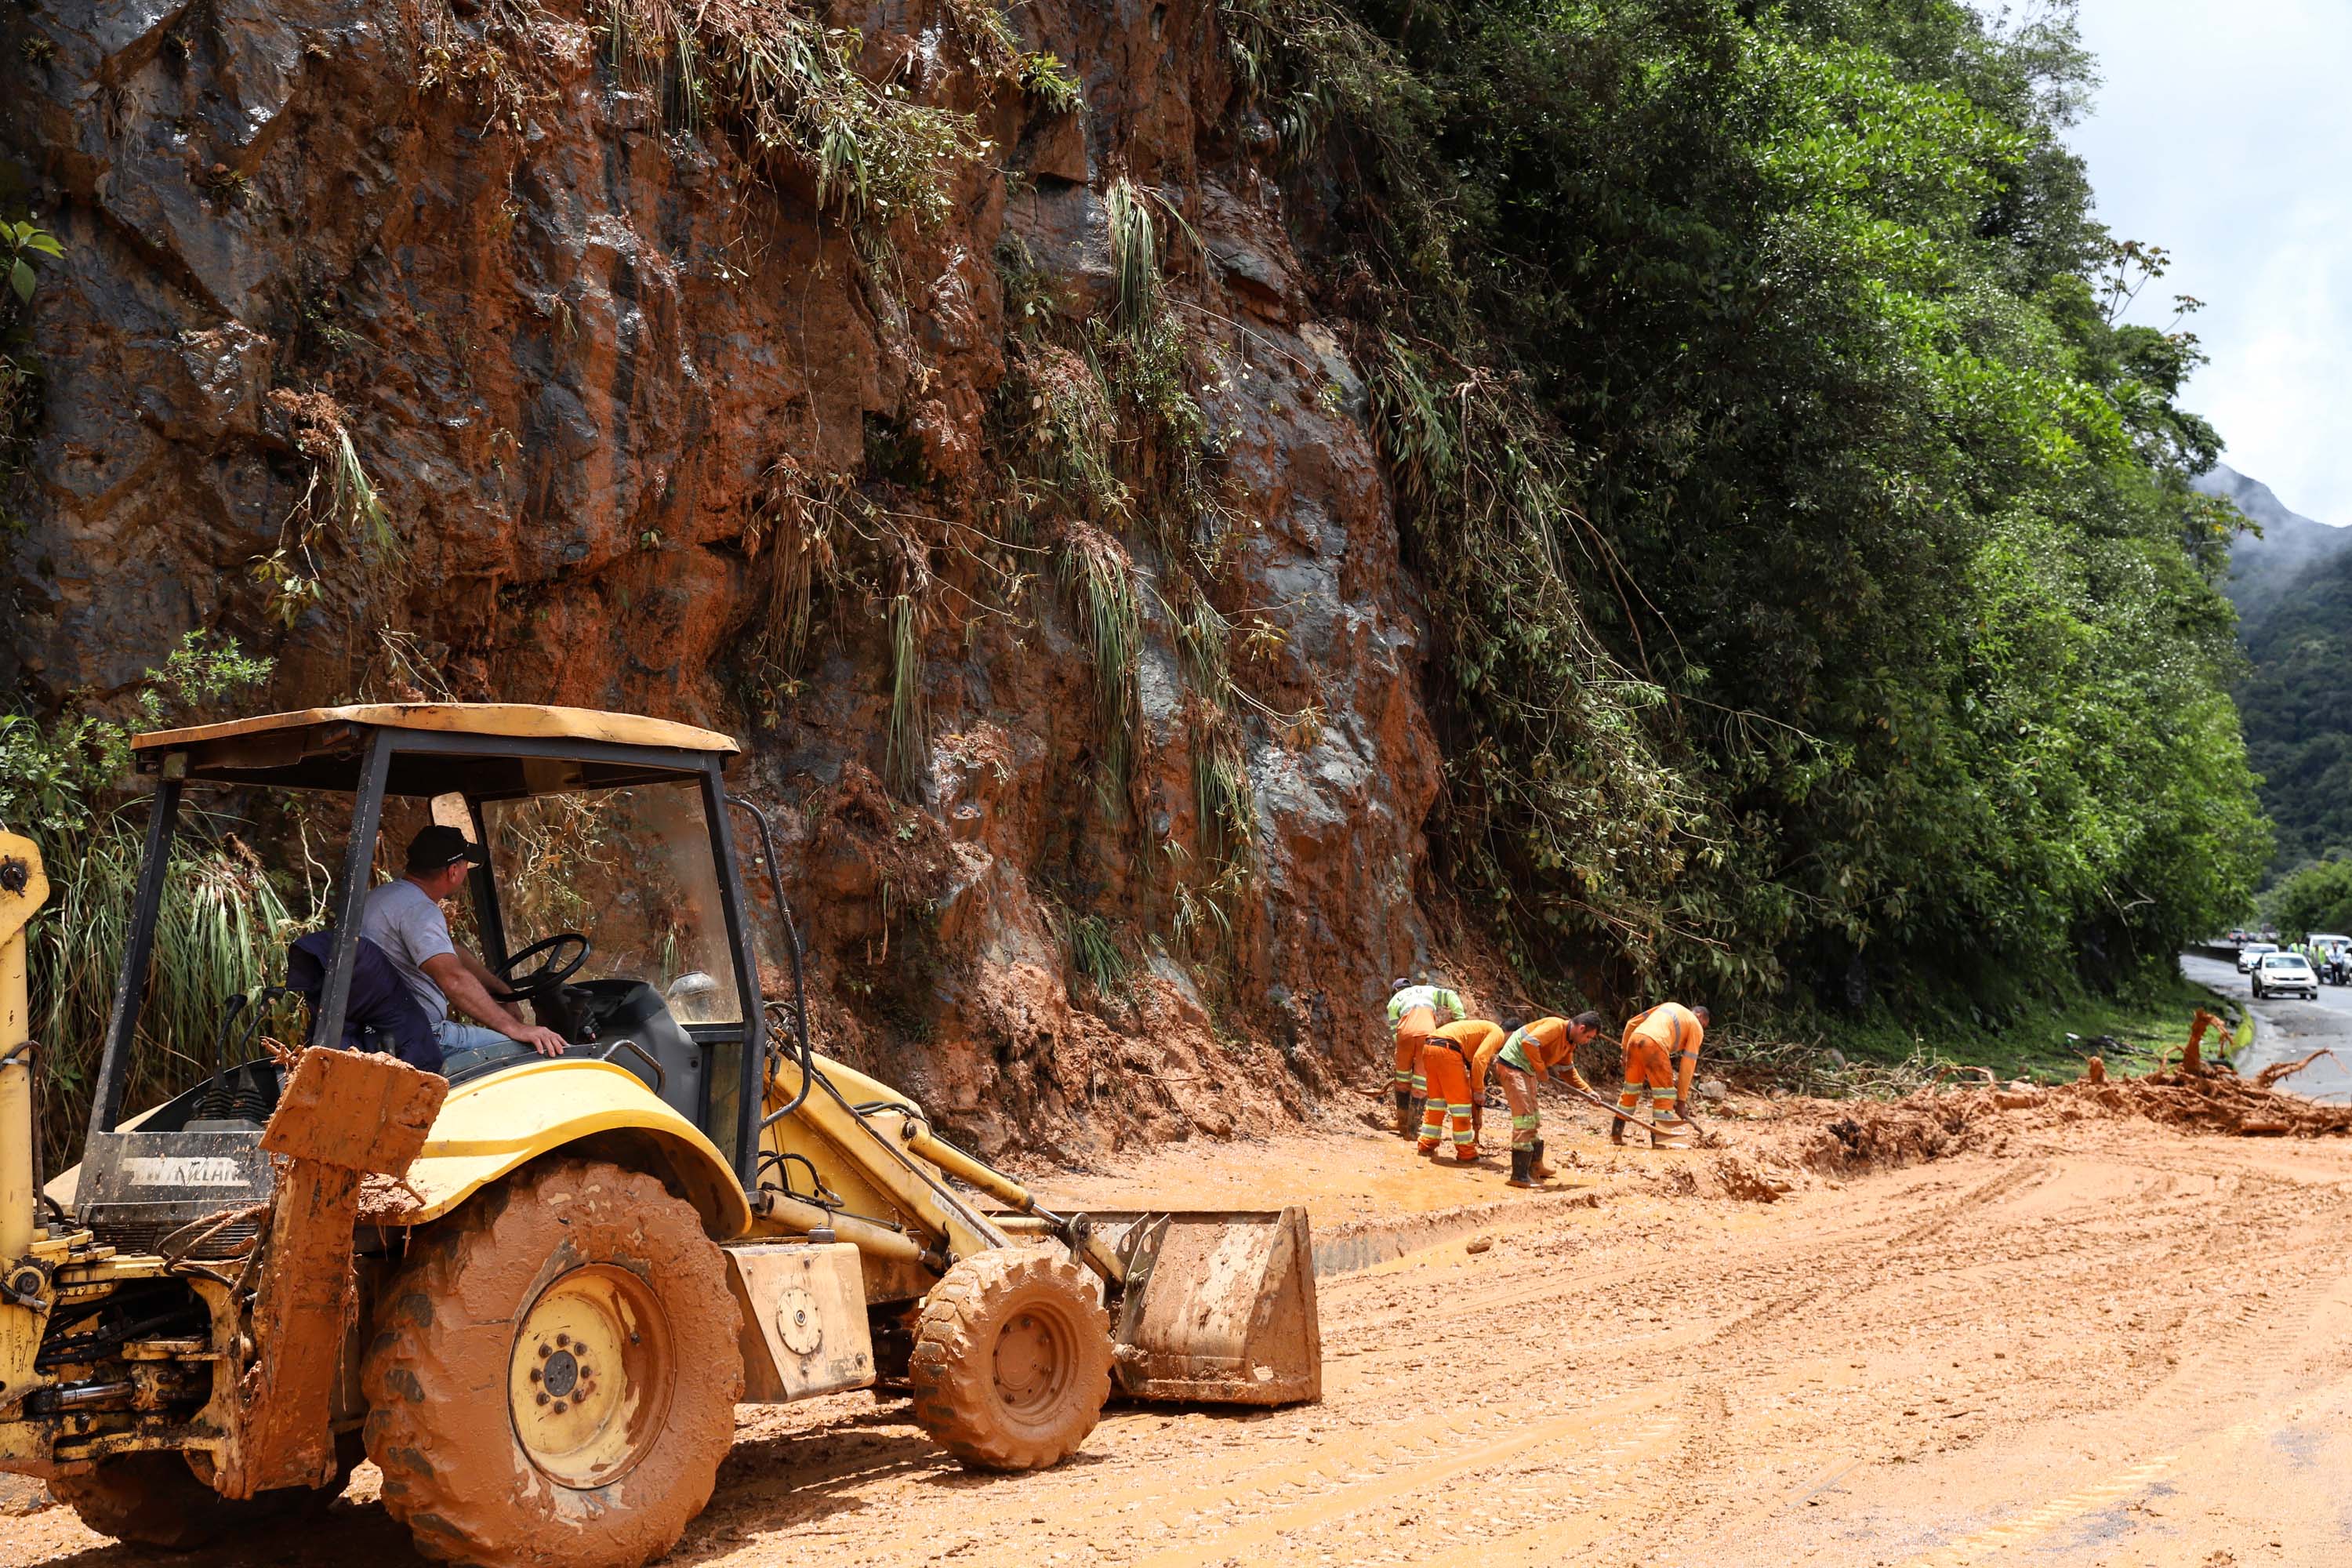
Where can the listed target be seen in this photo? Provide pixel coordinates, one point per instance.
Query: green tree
(1858, 626)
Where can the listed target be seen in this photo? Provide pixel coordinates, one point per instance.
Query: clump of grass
(1134, 256)
(1221, 794)
(224, 921)
(1101, 583)
(1144, 352)
(789, 91)
(1070, 432)
(792, 526)
(1486, 508)
(1310, 65)
(909, 737)
(1052, 84)
(494, 61)
(338, 504)
(1032, 298)
(1095, 954)
(1200, 919)
(1202, 630)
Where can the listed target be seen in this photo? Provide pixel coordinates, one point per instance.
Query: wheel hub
(1031, 1364)
(588, 1381)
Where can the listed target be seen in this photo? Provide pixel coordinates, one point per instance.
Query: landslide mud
(2086, 1340)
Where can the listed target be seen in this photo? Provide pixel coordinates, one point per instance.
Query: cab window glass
(631, 870)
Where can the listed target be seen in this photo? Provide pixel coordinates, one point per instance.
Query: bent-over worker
(404, 918)
(1445, 1058)
(1661, 1055)
(1413, 1010)
(1522, 1059)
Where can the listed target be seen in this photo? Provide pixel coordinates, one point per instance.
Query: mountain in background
(2292, 588)
(2291, 545)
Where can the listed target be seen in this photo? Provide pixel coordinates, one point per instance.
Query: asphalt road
(2288, 1029)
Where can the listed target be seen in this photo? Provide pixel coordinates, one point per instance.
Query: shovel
(1591, 1098)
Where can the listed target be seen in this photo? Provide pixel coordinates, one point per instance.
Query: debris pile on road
(1838, 1138)
(2219, 1100)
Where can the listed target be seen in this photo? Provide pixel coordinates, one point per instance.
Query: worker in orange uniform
(1661, 1054)
(1412, 1010)
(1521, 1060)
(1446, 1058)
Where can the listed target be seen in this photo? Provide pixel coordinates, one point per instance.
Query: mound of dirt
(1845, 1137)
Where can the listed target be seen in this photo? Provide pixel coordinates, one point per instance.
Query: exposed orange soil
(2095, 1341)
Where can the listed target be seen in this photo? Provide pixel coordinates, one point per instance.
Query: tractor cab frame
(145, 1176)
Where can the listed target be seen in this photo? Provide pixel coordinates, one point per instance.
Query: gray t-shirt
(410, 928)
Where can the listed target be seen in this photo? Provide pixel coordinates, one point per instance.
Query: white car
(2250, 951)
(2284, 974)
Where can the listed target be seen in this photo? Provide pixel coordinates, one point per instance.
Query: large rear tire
(1011, 1360)
(156, 1499)
(554, 1373)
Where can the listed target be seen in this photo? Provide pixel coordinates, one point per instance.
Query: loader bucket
(1219, 1308)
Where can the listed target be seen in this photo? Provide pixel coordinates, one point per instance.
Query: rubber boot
(1406, 1120)
(1521, 1158)
(1536, 1166)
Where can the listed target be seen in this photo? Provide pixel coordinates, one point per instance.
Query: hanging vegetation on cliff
(1859, 625)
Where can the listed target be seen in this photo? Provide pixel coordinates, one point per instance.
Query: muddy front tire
(156, 1499)
(554, 1373)
(1011, 1360)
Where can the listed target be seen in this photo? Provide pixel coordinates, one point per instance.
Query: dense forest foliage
(2297, 708)
(1826, 617)
(2292, 586)
(1832, 616)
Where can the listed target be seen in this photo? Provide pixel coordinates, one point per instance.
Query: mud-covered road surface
(2098, 1343)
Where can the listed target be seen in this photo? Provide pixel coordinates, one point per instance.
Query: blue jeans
(456, 1037)
(464, 1046)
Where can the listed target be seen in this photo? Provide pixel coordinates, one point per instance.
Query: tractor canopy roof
(491, 751)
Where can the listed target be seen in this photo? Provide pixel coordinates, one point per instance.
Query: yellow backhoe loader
(533, 1289)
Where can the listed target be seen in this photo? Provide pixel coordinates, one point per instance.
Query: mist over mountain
(2293, 587)
(2289, 548)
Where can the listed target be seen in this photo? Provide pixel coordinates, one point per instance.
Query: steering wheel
(558, 963)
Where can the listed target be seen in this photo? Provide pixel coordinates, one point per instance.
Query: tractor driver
(404, 918)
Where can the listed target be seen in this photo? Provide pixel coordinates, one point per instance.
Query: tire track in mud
(2240, 1360)
(1343, 1493)
(1763, 1261)
(2181, 1235)
(1419, 1486)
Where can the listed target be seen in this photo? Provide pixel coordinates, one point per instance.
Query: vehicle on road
(2285, 974)
(2250, 951)
(533, 1289)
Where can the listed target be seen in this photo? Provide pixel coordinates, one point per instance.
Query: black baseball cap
(438, 847)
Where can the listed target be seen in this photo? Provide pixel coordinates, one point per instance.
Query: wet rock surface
(616, 385)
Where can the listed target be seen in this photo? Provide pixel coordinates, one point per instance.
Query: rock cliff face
(658, 419)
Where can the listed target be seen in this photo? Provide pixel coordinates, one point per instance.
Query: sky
(2223, 133)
